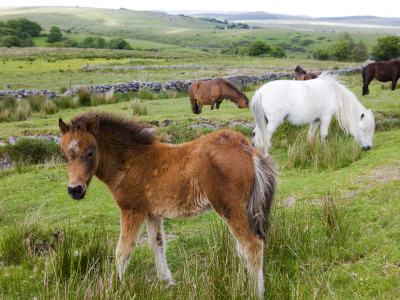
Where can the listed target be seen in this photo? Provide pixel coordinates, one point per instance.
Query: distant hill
(259, 15)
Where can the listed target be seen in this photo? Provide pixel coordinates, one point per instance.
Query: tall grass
(138, 108)
(302, 245)
(340, 150)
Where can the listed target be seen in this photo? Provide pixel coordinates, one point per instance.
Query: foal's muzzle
(366, 148)
(76, 192)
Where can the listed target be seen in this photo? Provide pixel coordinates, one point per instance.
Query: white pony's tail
(260, 132)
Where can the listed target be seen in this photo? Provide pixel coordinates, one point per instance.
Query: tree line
(19, 33)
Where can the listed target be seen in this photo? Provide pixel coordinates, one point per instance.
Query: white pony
(312, 101)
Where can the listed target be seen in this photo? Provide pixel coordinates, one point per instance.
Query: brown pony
(213, 92)
(383, 71)
(150, 180)
(301, 74)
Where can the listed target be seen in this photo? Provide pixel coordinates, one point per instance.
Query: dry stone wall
(157, 87)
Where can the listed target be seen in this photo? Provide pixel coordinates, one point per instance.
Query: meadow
(334, 224)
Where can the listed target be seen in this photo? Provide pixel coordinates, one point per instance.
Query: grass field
(334, 230)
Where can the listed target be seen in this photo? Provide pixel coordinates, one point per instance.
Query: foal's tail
(260, 140)
(262, 194)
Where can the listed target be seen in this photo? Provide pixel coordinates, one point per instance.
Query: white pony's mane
(348, 108)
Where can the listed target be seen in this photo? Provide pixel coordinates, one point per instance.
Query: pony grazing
(301, 74)
(150, 180)
(314, 101)
(383, 71)
(213, 92)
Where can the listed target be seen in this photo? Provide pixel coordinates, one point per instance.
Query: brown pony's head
(80, 150)
(243, 102)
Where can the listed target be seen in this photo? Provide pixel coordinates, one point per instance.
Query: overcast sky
(313, 8)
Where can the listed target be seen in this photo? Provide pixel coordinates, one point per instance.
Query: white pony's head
(365, 130)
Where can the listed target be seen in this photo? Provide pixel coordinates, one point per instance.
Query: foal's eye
(91, 154)
(253, 134)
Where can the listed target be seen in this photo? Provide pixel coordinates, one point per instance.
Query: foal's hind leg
(130, 225)
(156, 241)
(249, 245)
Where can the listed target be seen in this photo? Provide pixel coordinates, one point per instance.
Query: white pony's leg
(156, 241)
(324, 129)
(313, 129)
(271, 127)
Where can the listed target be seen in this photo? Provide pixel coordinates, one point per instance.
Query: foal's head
(80, 150)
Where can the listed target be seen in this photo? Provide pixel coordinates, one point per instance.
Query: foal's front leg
(130, 225)
(155, 236)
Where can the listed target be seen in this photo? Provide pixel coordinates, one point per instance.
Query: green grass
(334, 230)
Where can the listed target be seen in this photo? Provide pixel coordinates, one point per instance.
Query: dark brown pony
(213, 92)
(301, 74)
(150, 180)
(383, 71)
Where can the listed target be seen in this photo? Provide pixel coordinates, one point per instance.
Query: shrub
(84, 98)
(63, 89)
(33, 151)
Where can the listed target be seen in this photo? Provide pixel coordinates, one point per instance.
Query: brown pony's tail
(262, 194)
(193, 101)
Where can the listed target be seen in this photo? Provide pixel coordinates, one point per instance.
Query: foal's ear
(63, 127)
(93, 124)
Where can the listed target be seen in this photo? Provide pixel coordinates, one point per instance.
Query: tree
(54, 35)
(320, 54)
(277, 51)
(359, 52)
(340, 50)
(10, 41)
(388, 47)
(258, 48)
(119, 43)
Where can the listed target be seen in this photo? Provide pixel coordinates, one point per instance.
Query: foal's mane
(116, 128)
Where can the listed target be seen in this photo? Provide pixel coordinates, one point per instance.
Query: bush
(33, 151)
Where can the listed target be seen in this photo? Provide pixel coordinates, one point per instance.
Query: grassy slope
(156, 30)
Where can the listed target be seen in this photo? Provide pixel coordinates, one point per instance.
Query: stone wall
(155, 86)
